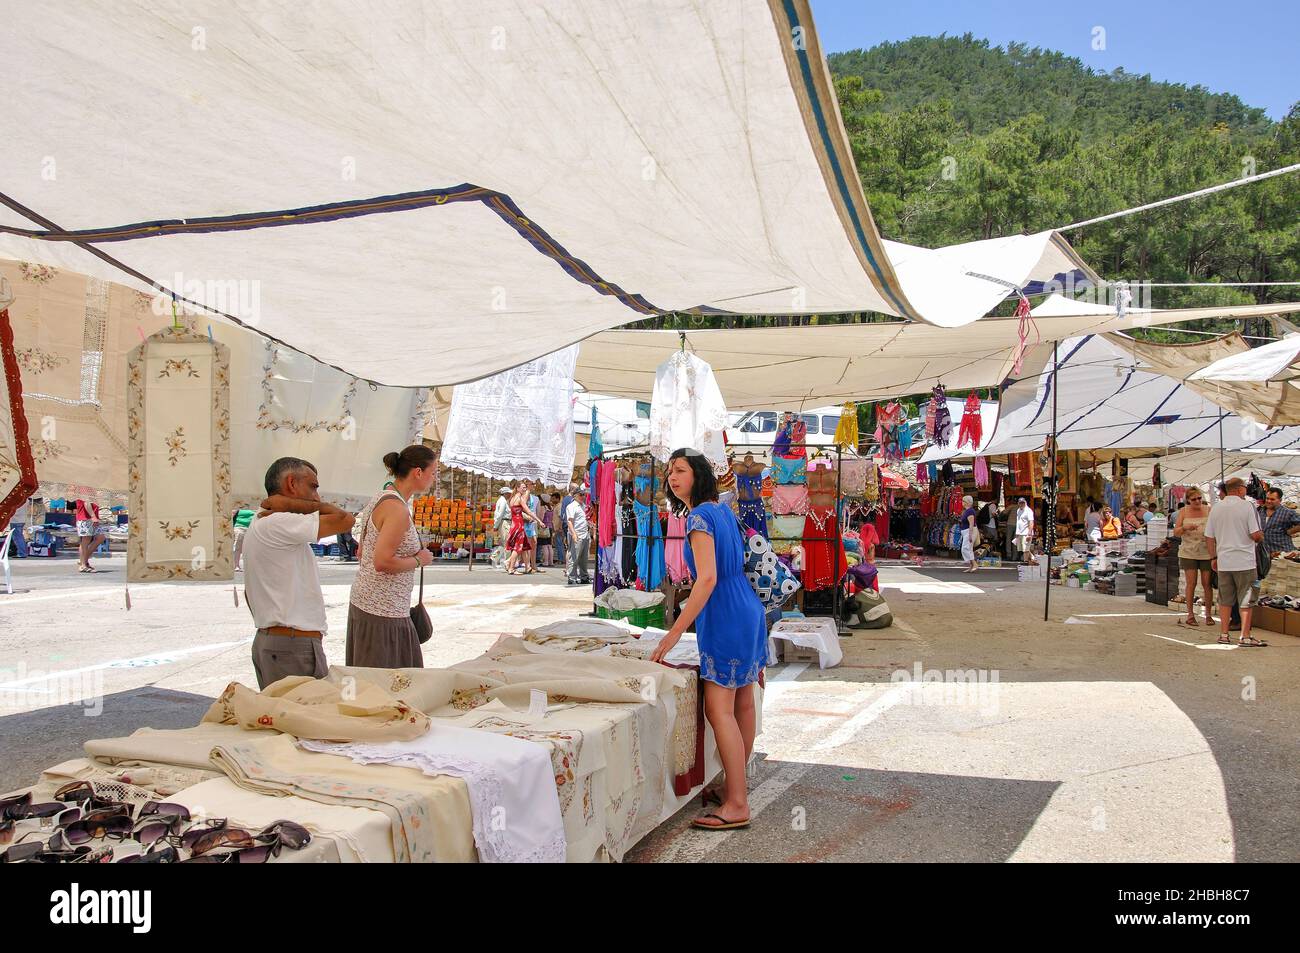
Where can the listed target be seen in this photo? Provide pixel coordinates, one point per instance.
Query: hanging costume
(675, 551)
(752, 514)
(846, 431)
(822, 547)
(941, 435)
(972, 425)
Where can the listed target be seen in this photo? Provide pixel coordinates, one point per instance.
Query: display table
(619, 732)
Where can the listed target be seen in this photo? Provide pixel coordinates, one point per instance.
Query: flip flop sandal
(1192, 622)
(1224, 640)
(1252, 643)
(724, 825)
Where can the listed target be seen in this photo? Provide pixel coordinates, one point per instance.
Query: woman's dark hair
(704, 489)
(415, 457)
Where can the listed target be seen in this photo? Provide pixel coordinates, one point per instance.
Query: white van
(757, 428)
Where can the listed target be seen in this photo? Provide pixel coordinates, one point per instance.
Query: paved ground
(1105, 734)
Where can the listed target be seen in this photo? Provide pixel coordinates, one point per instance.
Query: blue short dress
(731, 629)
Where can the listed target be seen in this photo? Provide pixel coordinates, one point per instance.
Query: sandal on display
(722, 825)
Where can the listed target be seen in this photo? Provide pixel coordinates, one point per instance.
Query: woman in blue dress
(730, 626)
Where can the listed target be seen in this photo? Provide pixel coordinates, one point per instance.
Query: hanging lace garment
(942, 417)
(517, 424)
(687, 410)
(846, 432)
(972, 424)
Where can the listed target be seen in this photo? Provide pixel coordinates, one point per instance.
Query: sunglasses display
(163, 828)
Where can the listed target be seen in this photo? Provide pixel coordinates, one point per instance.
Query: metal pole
(473, 519)
(1221, 467)
(1049, 523)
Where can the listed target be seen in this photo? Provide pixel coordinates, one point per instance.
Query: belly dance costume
(752, 514)
(649, 543)
(675, 551)
(820, 550)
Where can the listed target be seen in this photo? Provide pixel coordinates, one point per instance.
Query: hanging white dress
(687, 411)
(517, 424)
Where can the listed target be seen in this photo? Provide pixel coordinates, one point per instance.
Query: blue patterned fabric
(786, 471)
(731, 629)
(771, 579)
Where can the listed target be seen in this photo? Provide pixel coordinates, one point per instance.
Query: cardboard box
(800, 653)
(1269, 619)
(1292, 623)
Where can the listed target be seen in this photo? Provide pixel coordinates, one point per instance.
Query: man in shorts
(1231, 533)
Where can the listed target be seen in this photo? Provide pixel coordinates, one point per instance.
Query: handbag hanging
(420, 615)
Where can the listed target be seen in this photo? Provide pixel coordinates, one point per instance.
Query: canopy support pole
(1221, 467)
(1049, 523)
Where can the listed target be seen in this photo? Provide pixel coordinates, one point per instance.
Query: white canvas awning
(829, 364)
(1108, 400)
(422, 196)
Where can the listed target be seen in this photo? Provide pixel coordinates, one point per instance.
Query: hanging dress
(942, 435)
(649, 543)
(752, 513)
(675, 551)
(628, 543)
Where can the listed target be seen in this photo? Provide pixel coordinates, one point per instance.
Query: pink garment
(608, 502)
(675, 552)
(790, 499)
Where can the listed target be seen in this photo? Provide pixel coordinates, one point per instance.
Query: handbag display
(420, 615)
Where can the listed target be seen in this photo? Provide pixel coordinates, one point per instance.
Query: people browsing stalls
(1111, 527)
(578, 539)
(1193, 553)
(281, 584)
(518, 542)
(381, 633)
(1024, 529)
(730, 627)
(969, 534)
(1231, 533)
(1281, 523)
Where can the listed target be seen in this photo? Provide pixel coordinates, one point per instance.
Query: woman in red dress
(517, 541)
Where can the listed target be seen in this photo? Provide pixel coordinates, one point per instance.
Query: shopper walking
(89, 536)
(1231, 533)
(531, 528)
(559, 531)
(730, 627)
(380, 631)
(1194, 553)
(281, 584)
(969, 534)
(241, 518)
(578, 539)
(500, 527)
(545, 516)
(518, 543)
(1024, 529)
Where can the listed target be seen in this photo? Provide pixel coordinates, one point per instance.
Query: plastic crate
(650, 616)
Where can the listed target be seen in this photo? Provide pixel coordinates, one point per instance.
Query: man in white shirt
(1024, 529)
(500, 526)
(575, 518)
(281, 584)
(1231, 533)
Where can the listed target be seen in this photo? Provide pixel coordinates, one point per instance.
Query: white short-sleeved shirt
(281, 583)
(1024, 522)
(1231, 522)
(578, 516)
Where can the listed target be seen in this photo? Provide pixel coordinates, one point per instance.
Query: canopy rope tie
(1023, 312)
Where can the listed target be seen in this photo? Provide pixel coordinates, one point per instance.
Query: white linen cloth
(517, 424)
(687, 410)
(511, 785)
(815, 633)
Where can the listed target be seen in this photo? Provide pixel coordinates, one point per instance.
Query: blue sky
(1248, 47)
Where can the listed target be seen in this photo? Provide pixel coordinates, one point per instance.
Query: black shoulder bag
(420, 615)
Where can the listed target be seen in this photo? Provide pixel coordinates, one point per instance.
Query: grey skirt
(377, 641)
